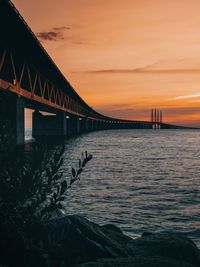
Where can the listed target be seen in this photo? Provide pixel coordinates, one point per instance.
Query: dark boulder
(74, 239)
(115, 234)
(137, 262)
(172, 245)
(155, 250)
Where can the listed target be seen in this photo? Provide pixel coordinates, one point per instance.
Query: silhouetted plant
(31, 192)
(81, 164)
(24, 186)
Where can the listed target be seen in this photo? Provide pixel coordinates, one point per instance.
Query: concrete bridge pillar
(107, 125)
(84, 125)
(20, 123)
(73, 125)
(81, 125)
(11, 121)
(87, 125)
(95, 125)
(90, 125)
(100, 125)
(78, 125)
(49, 125)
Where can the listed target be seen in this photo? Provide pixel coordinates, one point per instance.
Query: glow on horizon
(125, 57)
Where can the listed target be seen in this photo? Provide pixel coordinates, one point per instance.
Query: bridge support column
(83, 125)
(99, 125)
(105, 125)
(86, 125)
(73, 125)
(11, 121)
(89, 125)
(49, 125)
(20, 124)
(94, 125)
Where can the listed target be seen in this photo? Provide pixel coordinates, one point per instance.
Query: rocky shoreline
(76, 241)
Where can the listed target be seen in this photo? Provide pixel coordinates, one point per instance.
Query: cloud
(182, 116)
(58, 34)
(117, 106)
(144, 70)
(181, 110)
(50, 36)
(63, 28)
(55, 34)
(124, 111)
(187, 96)
(77, 42)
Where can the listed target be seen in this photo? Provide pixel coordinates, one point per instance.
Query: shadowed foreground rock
(75, 241)
(168, 245)
(137, 262)
(156, 250)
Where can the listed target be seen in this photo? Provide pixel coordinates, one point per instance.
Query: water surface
(140, 180)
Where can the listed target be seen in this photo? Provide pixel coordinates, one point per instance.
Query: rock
(115, 233)
(146, 234)
(155, 250)
(171, 245)
(137, 262)
(74, 239)
(112, 228)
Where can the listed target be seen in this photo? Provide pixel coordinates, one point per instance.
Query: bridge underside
(58, 124)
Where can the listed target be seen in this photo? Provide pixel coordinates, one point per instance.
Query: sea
(139, 180)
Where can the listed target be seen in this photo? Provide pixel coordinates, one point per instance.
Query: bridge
(30, 79)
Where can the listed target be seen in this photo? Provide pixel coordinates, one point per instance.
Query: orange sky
(125, 56)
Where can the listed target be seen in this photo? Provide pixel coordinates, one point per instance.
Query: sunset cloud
(187, 96)
(63, 28)
(144, 70)
(50, 36)
(55, 34)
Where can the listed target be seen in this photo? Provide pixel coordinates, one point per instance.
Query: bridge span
(30, 79)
